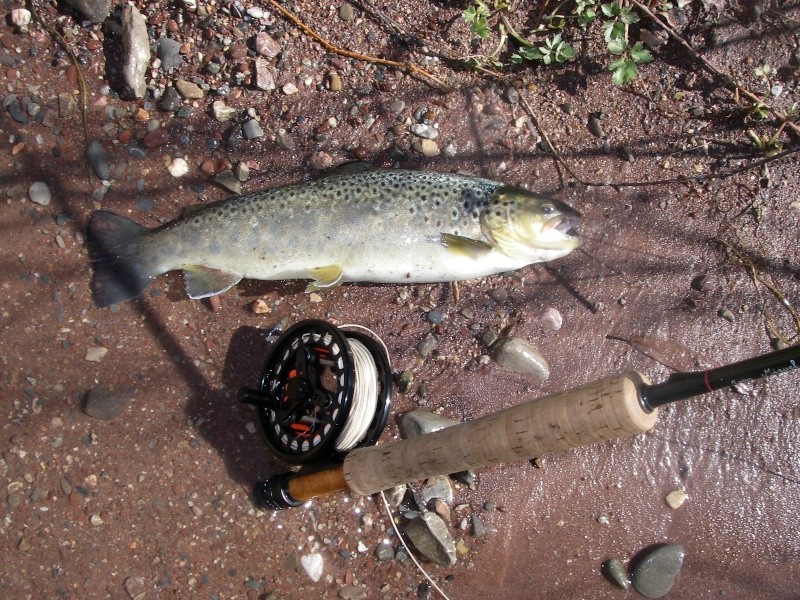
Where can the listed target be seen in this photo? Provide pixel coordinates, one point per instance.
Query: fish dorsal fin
(325, 277)
(192, 210)
(350, 168)
(202, 282)
(465, 246)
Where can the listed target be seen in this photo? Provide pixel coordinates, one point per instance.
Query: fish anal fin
(202, 282)
(465, 246)
(325, 277)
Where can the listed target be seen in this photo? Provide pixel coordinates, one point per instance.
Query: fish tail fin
(120, 274)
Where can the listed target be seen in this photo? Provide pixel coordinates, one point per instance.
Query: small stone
(260, 307)
(265, 45)
(66, 104)
(284, 139)
(135, 49)
(101, 403)
(594, 126)
(429, 535)
(675, 499)
(178, 167)
(312, 565)
(352, 592)
(654, 575)
(551, 318)
(335, 82)
(97, 158)
(421, 422)
(135, 587)
(726, 314)
(434, 316)
(169, 51)
(499, 294)
(222, 112)
(321, 161)
(229, 181)
(39, 193)
(17, 113)
(615, 572)
(21, 17)
(429, 148)
(480, 529)
(170, 100)
(384, 551)
(516, 355)
(96, 520)
(252, 130)
(156, 138)
(289, 89)
(264, 78)
(96, 11)
(188, 89)
(95, 353)
(346, 12)
(404, 381)
(424, 130)
(437, 487)
(427, 345)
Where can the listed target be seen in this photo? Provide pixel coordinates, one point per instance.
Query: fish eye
(548, 209)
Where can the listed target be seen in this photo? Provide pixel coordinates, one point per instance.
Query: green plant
(554, 50)
(623, 69)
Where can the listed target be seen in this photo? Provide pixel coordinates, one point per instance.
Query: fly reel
(323, 392)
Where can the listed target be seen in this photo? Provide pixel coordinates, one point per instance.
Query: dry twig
(411, 68)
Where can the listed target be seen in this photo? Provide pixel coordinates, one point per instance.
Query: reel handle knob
(274, 494)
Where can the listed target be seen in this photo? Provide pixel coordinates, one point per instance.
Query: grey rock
(480, 529)
(266, 45)
(395, 495)
(654, 575)
(516, 355)
(346, 12)
(285, 140)
(430, 537)
(229, 181)
(404, 381)
(421, 422)
(252, 130)
(424, 130)
(101, 403)
(427, 345)
(437, 487)
(169, 52)
(97, 158)
(352, 592)
(96, 11)
(615, 572)
(170, 100)
(434, 316)
(39, 193)
(594, 126)
(16, 112)
(136, 50)
(265, 80)
(384, 551)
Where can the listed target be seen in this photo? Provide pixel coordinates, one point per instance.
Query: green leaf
(628, 17)
(586, 17)
(610, 10)
(617, 46)
(515, 58)
(565, 52)
(640, 54)
(480, 29)
(622, 71)
(469, 14)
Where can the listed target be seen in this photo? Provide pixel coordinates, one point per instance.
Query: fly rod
(302, 416)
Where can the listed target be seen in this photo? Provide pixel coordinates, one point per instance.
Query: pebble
(431, 538)
(284, 139)
(346, 12)
(266, 45)
(352, 592)
(155, 139)
(321, 161)
(516, 355)
(480, 529)
(264, 79)
(289, 89)
(223, 112)
(335, 82)
(178, 167)
(726, 314)
(427, 345)
(188, 89)
(103, 404)
(551, 318)
(615, 572)
(170, 100)
(96, 11)
(404, 381)
(422, 422)
(675, 499)
(428, 148)
(384, 551)
(169, 51)
(16, 112)
(21, 17)
(66, 104)
(229, 181)
(135, 587)
(136, 50)
(95, 353)
(435, 317)
(437, 487)
(594, 126)
(252, 130)
(654, 575)
(312, 565)
(39, 193)
(424, 130)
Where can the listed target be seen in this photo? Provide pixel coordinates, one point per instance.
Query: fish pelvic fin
(120, 274)
(325, 277)
(202, 282)
(465, 246)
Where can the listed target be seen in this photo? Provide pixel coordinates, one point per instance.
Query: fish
(355, 225)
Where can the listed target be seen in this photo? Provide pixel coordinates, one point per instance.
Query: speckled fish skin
(390, 226)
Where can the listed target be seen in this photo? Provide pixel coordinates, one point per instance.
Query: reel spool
(323, 392)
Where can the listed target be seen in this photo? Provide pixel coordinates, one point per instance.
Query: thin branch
(729, 81)
(411, 68)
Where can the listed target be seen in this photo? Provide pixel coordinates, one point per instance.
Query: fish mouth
(566, 225)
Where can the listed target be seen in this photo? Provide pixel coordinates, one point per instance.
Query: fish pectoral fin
(192, 210)
(349, 168)
(202, 282)
(465, 246)
(325, 277)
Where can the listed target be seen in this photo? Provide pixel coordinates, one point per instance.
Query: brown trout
(384, 226)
